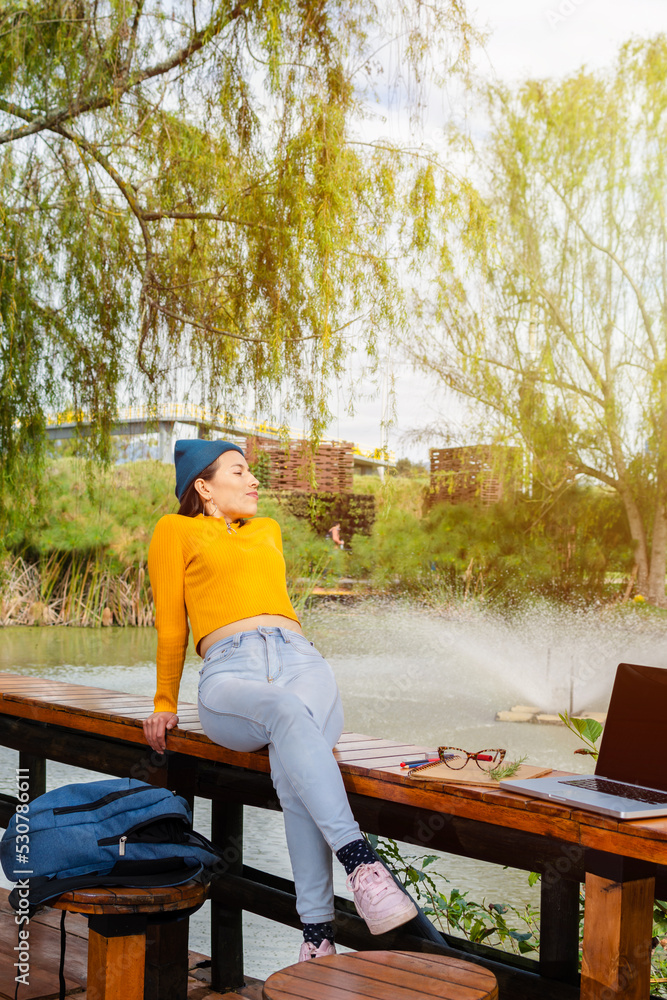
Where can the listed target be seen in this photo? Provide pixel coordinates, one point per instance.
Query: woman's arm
(166, 569)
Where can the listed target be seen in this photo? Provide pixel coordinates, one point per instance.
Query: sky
(527, 38)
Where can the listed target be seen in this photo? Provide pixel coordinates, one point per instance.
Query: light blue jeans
(271, 686)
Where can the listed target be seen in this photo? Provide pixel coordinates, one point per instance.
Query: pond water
(404, 674)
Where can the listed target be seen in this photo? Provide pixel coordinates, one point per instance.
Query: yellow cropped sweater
(201, 572)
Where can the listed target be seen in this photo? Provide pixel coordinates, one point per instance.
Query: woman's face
(233, 488)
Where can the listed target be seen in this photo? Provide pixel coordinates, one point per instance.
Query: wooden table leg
(617, 939)
(115, 966)
(35, 767)
(167, 943)
(559, 929)
(227, 922)
(166, 975)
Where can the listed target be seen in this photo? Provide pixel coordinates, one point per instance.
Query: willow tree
(185, 188)
(559, 329)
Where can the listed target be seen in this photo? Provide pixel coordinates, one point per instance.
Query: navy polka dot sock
(316, 933)
(355, 854)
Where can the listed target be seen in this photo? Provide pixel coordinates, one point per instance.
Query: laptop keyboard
(618, 788)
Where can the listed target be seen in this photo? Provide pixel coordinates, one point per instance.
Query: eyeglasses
(456, 758)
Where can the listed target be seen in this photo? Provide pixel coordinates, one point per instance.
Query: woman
(262, 681)
(334, 534)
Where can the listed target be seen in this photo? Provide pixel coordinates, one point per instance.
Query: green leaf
(477, 931)
(577, 724)
(590, 729)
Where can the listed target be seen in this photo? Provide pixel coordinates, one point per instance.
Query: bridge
(136, 420)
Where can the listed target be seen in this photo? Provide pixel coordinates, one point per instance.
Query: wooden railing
(101, 730)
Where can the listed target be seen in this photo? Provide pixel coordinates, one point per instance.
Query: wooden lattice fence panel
(289, 464)
(483, 473)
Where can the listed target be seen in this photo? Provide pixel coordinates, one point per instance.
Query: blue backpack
(111, 832)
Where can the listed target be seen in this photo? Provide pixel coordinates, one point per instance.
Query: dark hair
(191, 503)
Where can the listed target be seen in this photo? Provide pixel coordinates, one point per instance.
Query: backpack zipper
(105, 800)
(138, 827)
(121, 846)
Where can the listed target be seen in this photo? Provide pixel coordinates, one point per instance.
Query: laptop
(630, 779)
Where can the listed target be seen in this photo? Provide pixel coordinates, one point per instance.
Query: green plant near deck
(499, 925)
(659, 953)
(588, 730)
(495, 924)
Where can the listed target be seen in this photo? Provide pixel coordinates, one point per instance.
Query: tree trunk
(638, 534)
(656, 577)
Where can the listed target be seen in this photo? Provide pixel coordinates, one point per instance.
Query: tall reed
(65, 589)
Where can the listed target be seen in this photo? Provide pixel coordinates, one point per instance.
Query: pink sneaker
(378, 899)
(308, 950)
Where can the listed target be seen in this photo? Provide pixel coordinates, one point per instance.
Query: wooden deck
(45, 959)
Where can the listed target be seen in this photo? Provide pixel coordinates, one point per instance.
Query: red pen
(416, 763)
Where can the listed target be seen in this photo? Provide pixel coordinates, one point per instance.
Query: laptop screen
(633, 740)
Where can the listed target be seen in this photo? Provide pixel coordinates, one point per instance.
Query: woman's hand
(156, 727)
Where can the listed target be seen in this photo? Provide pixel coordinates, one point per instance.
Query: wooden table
(382, 975)
(622, 863)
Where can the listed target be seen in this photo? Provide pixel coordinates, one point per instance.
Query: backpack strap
(61, 967)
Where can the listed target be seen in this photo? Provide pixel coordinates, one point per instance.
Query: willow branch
(202, 326)
(222, 333)
(572, 340)
(587, 470)
(131, 49)
(556, 383)
(120, 85)
(648, 324)
(126, 190)
(155, 216)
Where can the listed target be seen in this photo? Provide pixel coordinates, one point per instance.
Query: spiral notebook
(471, 774)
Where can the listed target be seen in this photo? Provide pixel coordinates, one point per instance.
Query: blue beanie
(193, 455)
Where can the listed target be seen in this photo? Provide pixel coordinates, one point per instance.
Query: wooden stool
(118, 919)
(376, 974)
